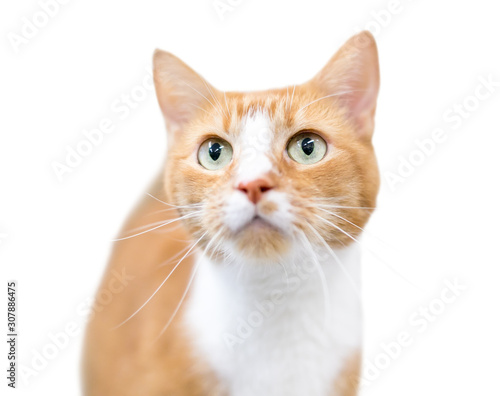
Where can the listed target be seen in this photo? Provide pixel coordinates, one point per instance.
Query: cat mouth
(260, 223)
(260, 238)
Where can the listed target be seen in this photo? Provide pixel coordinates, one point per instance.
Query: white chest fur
(267, 333)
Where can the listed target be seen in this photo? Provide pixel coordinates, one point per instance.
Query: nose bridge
(255, 154)
(259, 167)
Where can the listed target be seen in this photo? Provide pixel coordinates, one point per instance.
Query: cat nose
(255, 188)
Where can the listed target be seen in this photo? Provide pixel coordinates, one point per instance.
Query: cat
(242, 262)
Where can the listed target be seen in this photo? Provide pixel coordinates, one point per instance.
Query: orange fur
(126, 360)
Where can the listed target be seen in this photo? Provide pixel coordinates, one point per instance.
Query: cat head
(254, 174)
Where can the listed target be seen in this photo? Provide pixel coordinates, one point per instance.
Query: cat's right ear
(181, 92)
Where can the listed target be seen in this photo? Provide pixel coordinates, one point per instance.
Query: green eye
(307, 148)
(215, 153)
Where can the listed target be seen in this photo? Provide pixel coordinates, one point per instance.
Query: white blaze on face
(253, 162)
(255, 142)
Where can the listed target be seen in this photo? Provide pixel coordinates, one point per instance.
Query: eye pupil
(307, 146)
(214, 151)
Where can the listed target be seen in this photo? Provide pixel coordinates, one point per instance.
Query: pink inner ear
(180, 90)
(353, 73)
(180, 100)
(363, 102)
(175, 110)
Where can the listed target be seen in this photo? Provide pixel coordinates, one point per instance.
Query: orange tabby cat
(244, 274)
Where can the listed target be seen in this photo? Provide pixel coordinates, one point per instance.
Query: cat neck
(243, 278)
(242, 316)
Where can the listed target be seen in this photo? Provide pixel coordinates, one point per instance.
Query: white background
(440, 223)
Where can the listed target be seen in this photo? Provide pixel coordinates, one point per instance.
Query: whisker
(146, 226)
(355, 225)
(321, 274)
(321, 202)
(176, 206)
(198, 107)
(327, 96)
(291, 101)
(344, 207)
(227, 107)
(338, 228)
(166, 262)
(154, 224)
(217, 247)
(370, 251)
(162, 211)
(286, 275)
(193, 274)
(213, 97)
(162, 283)
(334, 255)
(242, 266)
(171, 228)
(203, 96)
(187, 216)
(337, 239)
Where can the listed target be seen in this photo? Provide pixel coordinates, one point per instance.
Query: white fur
(255, 143)
(259, 344)
(282, 217)
(239, 211)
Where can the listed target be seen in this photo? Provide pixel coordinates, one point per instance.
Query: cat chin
(261, 240)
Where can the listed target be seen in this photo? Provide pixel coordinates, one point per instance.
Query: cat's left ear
(352, 76)
(182, 93)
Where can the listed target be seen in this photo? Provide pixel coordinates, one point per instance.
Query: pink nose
(255, 189)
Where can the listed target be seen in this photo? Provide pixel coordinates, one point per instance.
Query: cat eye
(307, 148)
(215, 153)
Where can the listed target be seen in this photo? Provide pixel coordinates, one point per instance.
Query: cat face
(258, 173)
